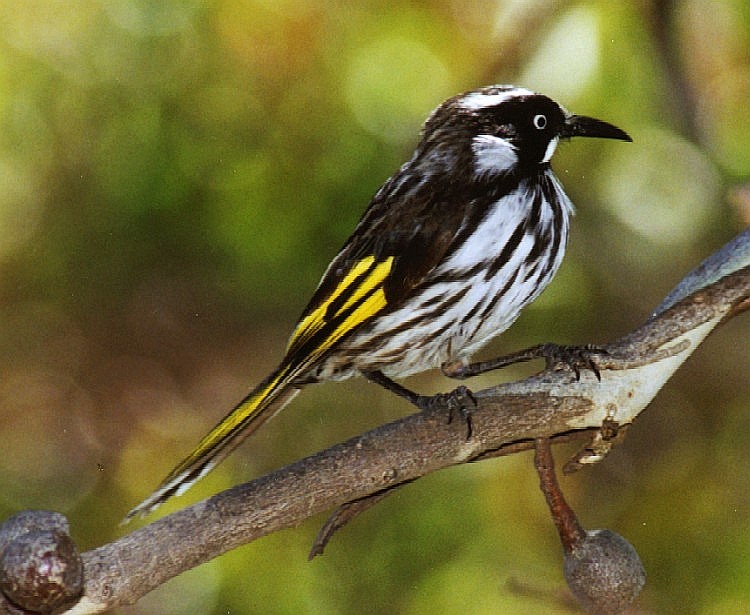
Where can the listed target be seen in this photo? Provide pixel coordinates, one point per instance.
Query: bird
(448, 252)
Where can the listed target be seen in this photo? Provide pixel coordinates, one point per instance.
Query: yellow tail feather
(253, 411)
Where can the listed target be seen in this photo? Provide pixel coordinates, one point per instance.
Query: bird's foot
(460, 401)
(575, 358)
(556, 356)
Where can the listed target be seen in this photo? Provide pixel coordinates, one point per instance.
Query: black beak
(583, 126)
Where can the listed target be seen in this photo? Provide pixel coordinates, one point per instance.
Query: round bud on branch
(40, 567)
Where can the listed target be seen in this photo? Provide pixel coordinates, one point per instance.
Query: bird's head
(502, 129)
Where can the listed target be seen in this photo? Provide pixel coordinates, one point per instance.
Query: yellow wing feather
(317, 318)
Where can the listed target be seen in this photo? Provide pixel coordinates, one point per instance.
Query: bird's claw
(458, 401)
(576, 358)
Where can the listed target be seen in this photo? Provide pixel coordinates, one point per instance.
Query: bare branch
(508, 418)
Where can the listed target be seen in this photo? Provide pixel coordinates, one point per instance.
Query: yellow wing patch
(361, 295)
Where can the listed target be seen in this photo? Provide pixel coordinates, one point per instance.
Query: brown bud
(40, 567)
(604, 572)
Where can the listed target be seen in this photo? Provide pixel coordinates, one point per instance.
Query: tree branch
(508, 418)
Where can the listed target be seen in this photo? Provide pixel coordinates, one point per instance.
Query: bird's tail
(261, 404)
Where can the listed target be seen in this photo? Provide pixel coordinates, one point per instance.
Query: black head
(505, 128)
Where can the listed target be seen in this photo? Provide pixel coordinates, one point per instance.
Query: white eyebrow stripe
(481, 100)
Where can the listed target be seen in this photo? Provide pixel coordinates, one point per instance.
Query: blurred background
(174, 178)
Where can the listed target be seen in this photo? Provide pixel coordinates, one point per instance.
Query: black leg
(458, 400)
(577, 358)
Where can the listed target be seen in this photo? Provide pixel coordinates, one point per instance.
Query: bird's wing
(356, 296)
(386, 258)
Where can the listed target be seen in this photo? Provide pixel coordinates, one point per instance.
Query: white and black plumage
(451, 248)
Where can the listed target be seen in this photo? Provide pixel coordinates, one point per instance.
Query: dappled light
(174, 179)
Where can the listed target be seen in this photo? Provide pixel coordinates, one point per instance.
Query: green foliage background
(175, 176)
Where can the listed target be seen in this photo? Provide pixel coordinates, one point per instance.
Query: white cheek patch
(493, 155)
(551, 149)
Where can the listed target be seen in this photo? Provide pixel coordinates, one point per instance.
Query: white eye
(540, 122)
